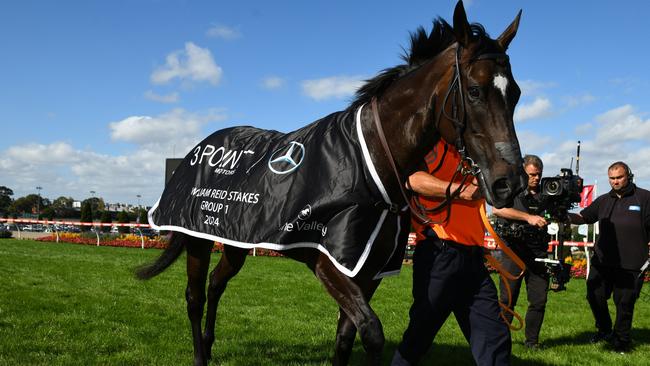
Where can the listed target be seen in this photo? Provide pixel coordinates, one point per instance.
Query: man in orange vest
(449, 274)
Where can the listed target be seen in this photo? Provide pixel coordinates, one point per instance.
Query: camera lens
(552, 187)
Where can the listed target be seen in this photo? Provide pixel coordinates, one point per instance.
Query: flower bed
(123, 240)
(134, 241)
(578, 265)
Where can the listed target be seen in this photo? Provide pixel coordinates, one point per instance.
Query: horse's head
(457, 84)
(478, 107)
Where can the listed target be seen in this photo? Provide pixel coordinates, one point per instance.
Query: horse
(456, 83)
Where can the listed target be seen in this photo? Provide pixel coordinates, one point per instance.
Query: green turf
(65, 304)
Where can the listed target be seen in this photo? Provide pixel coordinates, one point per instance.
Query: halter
(466, 167)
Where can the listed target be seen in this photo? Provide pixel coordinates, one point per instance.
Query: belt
(444, 244)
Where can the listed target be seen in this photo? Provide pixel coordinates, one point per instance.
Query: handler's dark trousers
(625, 285)
(537, 290)
(450, 277)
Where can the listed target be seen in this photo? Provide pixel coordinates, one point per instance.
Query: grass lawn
(65, 304)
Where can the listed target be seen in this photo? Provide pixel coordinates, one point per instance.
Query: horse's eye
(474, 92)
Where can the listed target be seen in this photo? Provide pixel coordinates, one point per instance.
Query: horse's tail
(169, 256)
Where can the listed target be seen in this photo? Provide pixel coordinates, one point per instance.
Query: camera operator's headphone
(628, 171)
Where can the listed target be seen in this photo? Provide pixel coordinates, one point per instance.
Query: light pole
(92, 210)
(137, 195)
(92, 202)
(38, 203)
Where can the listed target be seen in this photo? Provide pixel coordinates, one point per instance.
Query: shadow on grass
(452, 355)
(639, 336)
(270, 353)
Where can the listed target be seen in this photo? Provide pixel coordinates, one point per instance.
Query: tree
(63, 207)
(106, 218)
(97, 204)
(86, 215)
(29, 204)
(5, 199)
(48, 213)
(123, 218)
(143, 217)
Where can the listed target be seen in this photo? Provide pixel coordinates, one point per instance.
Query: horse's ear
(506, 37)
(462, 29)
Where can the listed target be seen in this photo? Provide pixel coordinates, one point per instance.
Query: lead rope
(504, 274)
(389, 155)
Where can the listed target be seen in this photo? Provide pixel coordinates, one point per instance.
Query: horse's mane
(424, 47)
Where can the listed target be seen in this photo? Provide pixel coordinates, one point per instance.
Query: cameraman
(530, 242)
(621, 250)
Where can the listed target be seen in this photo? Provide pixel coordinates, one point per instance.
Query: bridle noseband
(466, 167)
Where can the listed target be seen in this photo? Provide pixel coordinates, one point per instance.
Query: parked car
(5, 232)
(148, 232)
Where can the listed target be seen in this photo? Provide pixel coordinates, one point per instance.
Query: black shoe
(601, 337)
(533, 346)
(622, 347)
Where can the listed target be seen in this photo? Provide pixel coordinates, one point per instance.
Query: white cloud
(169, 98)
(531, 142)
(622, 124)
(192, 64)
(34, 154)
(576, 100)
(64, 170)
(178, 124)
(533, 87)
(223, 32)
(638, 162)
(332, 87)
(273, 82)
(583, 129)
(540, 107)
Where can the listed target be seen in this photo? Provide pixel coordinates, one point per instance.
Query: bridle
(466, 167)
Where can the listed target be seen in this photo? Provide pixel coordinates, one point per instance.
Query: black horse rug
(315, 187)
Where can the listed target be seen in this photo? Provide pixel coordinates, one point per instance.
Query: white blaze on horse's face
(501, 82)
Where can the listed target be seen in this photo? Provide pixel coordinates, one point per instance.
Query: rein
(466, 167)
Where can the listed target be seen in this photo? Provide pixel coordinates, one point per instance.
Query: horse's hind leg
(345, 334)
(353, 302)
(198, 263)
(346, 331)
(229, 265)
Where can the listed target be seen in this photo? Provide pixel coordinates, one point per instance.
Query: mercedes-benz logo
(305, 213)
(287, 159)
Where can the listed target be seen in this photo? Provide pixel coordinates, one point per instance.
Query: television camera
(558, 195)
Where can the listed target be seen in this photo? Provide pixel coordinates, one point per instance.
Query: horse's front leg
(198, 262)
(354, 304)
(231, 262)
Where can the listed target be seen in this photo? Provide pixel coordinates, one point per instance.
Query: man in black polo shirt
(530, 241)
(621, 250)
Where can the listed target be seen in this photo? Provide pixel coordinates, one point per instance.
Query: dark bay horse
(456, 84)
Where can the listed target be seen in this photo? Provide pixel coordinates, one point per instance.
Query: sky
(97, 94)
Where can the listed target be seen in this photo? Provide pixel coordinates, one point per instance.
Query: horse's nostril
(501, 189)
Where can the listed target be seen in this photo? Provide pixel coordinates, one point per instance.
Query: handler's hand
(470, 192)
(535, 220)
